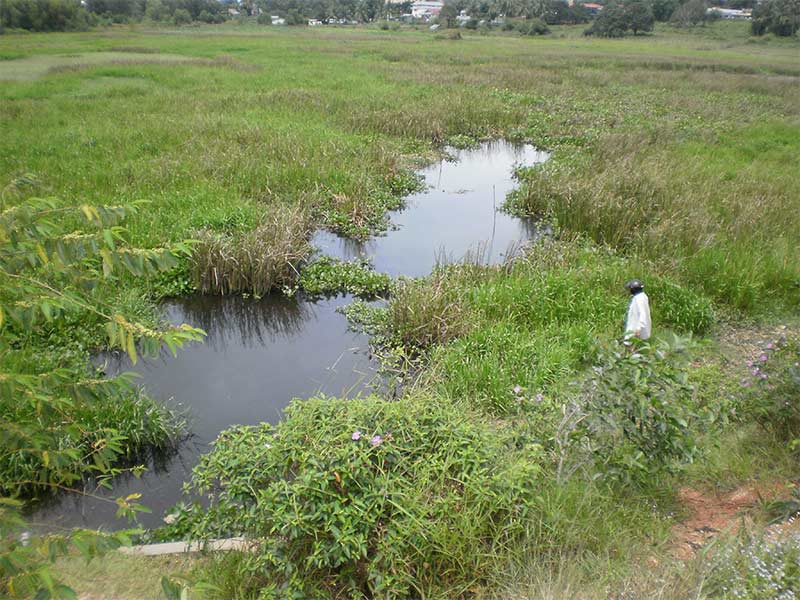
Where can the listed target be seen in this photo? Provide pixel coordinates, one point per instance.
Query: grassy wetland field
(530, 457)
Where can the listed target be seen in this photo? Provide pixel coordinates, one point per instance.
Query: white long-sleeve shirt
(638, 317)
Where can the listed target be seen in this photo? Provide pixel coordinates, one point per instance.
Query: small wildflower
(763, 376)
(755, 371)
(356, 436)
(763, 358)
(517, 389)
(376, 440)
(770, 346)
(539, 397)
(749, 363)
(745, 383)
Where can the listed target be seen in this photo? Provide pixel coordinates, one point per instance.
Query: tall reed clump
(255, 262)
(427, 312)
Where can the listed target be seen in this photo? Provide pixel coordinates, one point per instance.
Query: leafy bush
(533, 27)
(329, 276)
(367, 498)
(57, 425)
(772, 387)
(638, 411)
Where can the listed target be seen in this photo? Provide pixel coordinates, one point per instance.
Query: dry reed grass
(258, 261)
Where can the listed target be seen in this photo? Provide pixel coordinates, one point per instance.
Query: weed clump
(269, 257)
(367, 498)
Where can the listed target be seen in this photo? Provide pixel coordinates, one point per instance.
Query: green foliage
(772, 388)
(533, 27)
(780, 17)
(327, 276)
(617, 18)
(690, 13)
(663, 9)
(181, 17)
(368, 497)
(25, 560)
(44, 15)
(638, 410)
(58, 425)
(531, 322)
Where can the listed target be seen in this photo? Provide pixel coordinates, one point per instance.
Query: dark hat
(634, 284)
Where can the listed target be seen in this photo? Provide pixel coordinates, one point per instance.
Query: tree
(779, 17)
(664, 9)
(611, 22)
(53, 259)
(44, 15)
(619, 17)
(560, 13)
(181, 17)
(691, 13)
(448, 14)
(640, 16)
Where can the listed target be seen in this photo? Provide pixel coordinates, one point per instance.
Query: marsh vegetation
(673, 157)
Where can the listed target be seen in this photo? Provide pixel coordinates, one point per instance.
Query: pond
(260, 354)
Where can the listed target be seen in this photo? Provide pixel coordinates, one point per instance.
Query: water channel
(260, 354)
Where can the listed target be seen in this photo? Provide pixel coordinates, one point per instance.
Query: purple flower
(755, 371)
(517, 389)
(763, 358)
(770, 346)
(749, 363)
(356, 436)
(763, 376)
(539, 397)
(376, 440)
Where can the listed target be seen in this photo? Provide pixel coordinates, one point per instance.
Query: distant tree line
(72, 15)
(618, 17)
(364, 11)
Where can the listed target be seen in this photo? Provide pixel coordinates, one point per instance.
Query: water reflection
(458, 214)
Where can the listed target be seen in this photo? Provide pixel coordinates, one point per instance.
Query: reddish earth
(713, 513)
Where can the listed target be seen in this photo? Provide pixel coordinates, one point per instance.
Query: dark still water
(457, 214)
(260, 354)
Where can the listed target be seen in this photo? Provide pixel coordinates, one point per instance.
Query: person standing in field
(637, 323)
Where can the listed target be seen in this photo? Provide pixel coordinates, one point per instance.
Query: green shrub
(533, 27)
(772, 387)
(368, 498)
(639, 411)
